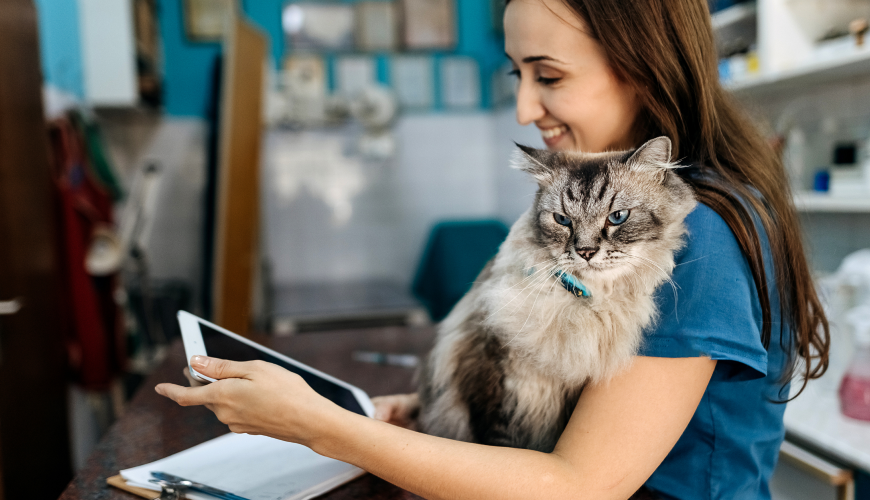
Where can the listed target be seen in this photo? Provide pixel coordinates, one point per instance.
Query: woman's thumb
(217, 368)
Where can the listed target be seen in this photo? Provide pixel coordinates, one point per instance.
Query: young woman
(696, 414)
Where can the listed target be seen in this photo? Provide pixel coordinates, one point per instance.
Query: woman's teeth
(553, 132)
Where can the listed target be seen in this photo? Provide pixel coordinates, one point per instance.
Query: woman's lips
(552, 136)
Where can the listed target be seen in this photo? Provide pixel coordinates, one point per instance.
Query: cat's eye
(618, 217)
(561, 219)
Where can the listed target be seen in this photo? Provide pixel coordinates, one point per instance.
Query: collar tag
(572, 284)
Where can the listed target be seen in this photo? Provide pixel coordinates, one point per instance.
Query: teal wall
(187, 65)
(60, 45)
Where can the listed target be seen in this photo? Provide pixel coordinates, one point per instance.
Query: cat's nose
(587, 252)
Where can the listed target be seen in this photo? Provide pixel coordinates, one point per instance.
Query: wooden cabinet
(34, 441)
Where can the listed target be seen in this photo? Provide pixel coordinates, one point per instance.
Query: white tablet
(207, 339)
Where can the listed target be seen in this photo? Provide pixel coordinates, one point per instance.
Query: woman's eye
(561, 219)
(514, 72)
(618, 217)
(547, 81)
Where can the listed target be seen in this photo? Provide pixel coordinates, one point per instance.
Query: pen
(383, 358)
(193, 485)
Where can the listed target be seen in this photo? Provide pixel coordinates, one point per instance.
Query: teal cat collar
(572, 284)
(568, 282)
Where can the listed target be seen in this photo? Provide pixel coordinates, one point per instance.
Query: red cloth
(95, 352)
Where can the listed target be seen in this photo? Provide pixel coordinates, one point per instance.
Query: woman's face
(565, 85)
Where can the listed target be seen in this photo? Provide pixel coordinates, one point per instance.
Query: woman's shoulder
(712, 309)
(709, 236)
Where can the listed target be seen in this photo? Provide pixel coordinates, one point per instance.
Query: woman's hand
(190, 379)
(256, 397)
(398, 409)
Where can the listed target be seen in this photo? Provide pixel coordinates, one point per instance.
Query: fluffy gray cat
(564, 301)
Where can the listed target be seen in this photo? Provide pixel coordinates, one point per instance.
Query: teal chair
(455, 254)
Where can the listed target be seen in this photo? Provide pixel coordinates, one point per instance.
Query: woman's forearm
(441, 468)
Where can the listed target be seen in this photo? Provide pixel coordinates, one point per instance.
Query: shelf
(735, 27)
(853, 62)
(734, 15)
(808, 201)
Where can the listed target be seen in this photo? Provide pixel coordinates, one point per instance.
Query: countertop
(815, 417)
(153, 427)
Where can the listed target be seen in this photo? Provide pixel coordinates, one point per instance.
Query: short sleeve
(714, 310)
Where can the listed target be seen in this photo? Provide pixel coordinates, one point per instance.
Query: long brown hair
(665, 50)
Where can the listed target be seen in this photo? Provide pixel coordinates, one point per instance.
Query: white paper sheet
(255, 467)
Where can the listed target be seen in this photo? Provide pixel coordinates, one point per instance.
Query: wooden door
(238, 201)
(34, 439)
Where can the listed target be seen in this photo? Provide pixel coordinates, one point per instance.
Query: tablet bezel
(194, 345)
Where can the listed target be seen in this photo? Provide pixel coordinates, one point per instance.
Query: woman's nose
(529, 106)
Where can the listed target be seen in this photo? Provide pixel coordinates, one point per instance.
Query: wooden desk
(154, 427)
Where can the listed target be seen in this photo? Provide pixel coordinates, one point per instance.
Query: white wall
(449, 166)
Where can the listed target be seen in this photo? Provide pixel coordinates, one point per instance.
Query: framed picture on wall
(460, 82)
(429, 24)
(412, 77)
(354, 73)
(206, 20)
(318, 26)
(376, 26)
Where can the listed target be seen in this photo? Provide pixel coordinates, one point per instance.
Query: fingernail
(157, 390)
(379, 415)
(199, 361)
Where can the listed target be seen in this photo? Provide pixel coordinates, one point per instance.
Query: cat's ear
(654, 152)
(533, 161)
(654, 156)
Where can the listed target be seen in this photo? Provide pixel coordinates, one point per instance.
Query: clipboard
(118, 482)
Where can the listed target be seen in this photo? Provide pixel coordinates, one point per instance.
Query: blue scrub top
(731, 445)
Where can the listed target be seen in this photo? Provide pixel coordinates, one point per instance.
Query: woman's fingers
(221, 368)
(397, 409)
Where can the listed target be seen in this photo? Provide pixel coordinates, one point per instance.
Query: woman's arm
(618, 435)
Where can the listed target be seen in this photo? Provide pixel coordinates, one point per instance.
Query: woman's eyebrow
(532, 59)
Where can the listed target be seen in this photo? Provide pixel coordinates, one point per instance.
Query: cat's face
(606, 213)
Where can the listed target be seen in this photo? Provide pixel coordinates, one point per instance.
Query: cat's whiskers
(664, 273)
(537, 280)
(530, 314)
(529, 277)
(655, 267)
(533, 266)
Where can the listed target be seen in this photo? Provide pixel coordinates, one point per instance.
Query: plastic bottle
(855, 387)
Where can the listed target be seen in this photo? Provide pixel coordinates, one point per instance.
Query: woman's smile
(552, 135)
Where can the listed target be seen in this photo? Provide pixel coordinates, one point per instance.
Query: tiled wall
(449, 166)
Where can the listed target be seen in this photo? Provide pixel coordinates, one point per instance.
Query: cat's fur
(512, 357)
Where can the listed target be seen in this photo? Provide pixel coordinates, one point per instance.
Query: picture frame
(460, 82)
(206, 20)
(354, 73)
(318, 27)
(412, 78)
(376, 26)
(428, 24)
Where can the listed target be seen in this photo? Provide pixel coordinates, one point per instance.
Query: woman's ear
(536, 162)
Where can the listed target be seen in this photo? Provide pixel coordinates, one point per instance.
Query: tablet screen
(223, 346)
